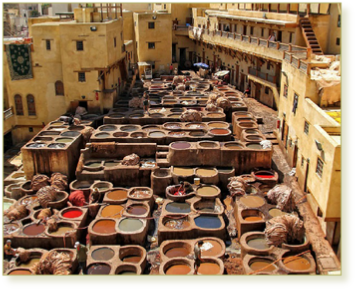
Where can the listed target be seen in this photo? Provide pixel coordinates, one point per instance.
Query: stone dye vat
(265, 176)
(235, 154)
(160, 179)
(58, 153)
(122, 260)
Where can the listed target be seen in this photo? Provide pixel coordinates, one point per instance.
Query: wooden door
(286, 131)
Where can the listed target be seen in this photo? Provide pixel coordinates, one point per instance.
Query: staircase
(161, 156)
(309, 36)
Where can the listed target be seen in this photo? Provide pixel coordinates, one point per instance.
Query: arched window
(18, 105)
(31, 105)
(59, 88)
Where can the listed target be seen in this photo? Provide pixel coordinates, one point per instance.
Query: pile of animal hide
(54, 263)
(39, 181)
(191, 116)
(237, 186)
(284, 229)
(132, 159)
(16, 212)
(77, 198)
(46, 195)
(87, 132)
(59, 181)
(136, 103)
(282, 196)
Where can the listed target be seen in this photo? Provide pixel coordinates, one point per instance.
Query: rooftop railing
(8, 113)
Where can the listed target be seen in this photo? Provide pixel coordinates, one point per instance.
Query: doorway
(8, 141)
(242, 82)
(306, 176)
(83, 104)
(182, 56)
(295, 156)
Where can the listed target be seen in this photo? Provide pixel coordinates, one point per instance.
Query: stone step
(162, 162)
(162, 148)
(160, 154)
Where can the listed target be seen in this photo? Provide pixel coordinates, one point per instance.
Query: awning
(145, 63)
(222, 73)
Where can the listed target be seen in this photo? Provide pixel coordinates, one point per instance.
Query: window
(319, 167)
(295, 104)
(306, 127)
(114, 41)
(18, 105)
(266, 90)
(81, 77)
(279, 37)
(339, 21)
(59, 88)
(164, 6)
(290, 37)
(80, 45)
(285, 92)
(268, 65)
(262, 31)
(235, 28)
(48, 44)
(151, 45)
(251, 30)
(31, 105)
(151, 25)
(135, 23)
(30, 129)
(302, 162)
(153, 66)
(338, 41)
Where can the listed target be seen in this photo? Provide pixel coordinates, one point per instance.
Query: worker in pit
(197, 256)
(9, 251)
(81, 256)
(146, 102)
(95, 196)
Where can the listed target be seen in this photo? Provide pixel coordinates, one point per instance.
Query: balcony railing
(300, 53)
(261, 75)
(8, 113)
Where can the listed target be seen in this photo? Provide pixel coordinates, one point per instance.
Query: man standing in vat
(197, 256)
(81, 256)
(9, 251)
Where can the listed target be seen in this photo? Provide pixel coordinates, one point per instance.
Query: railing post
(278, 43)
(290, 58)
(234, 35)
(227, 35)
(284, 54)
(290, 47)
(298, 62)
(258, 41)
(241, 37)
(220, 32)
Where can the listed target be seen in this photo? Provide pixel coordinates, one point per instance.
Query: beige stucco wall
(334, 31)
(160, 35)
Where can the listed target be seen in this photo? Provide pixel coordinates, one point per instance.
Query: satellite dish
(154, 17)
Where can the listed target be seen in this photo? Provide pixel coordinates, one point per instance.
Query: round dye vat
(254, 146)
(136, 210)
(233, 146)
(111, 164)
(265, 264)
(197, 133)
(99, 269)
(264, 174)
(70, 134)
(61, 231)
(213, 248)
(296, 263)
(178, 207)
(127, 272)
(251, 131)
(20, 272)
(276, 212)
(130, 225)
(173, 126)
(36, 145)
(10, 228)
(108, 128)
(112, 211)
(103, 254)
(34, 230)
(177, 252)
(56, 145)
(104, 227)
(206, 172)
(102, 135)
(177, 116)
(56, 123)
(136, 116)
(180, 145)
(208, 269)
(253, 219)
(150, 128)
(252, 201)
(208, 144)
(72, 213)
(140, 193)
(29, 263)
(219, 131)
(117, 194)
(195, 126)
(178, 270)
(215, 115)
(156, 134)
(208, 222)
(138, 135)
(116, 116)
(132, 259)
(258, 243)
(254, 138)
(177, 134)
(207, 191)
(156, 115)
(177, 224)
(92, 164)
(6, 205)
(64, 140)
(218, 125)
(129, 128)
(29, 200)
(183, 171)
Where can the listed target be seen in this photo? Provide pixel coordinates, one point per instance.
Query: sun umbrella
(200, 64)
(222, 73)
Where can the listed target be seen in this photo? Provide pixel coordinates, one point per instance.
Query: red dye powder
(72, 214)
(264, 176)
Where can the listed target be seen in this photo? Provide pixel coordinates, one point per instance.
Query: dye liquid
(104, 227)
(296, 263)
(177, 252)
(208, 222)
(103, 254)
(206, 172)
(264, 264)
(136, 210)
(34, 230)
(72, 213)
(20, 272)
(99, 269)
(208, 269)
(117, 194)
(178, 207)
(178, 270)
(61, 231)
(258, 243)
(130, 225)
(207, 191)
(112, 211)
(252, 201)
(132, 259)
(184, 171)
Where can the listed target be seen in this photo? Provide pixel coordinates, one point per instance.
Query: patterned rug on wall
(19, 60)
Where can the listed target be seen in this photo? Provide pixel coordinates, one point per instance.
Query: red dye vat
(264, 175)
(72, 214)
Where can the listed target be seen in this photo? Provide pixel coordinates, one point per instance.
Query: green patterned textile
(19, 59)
